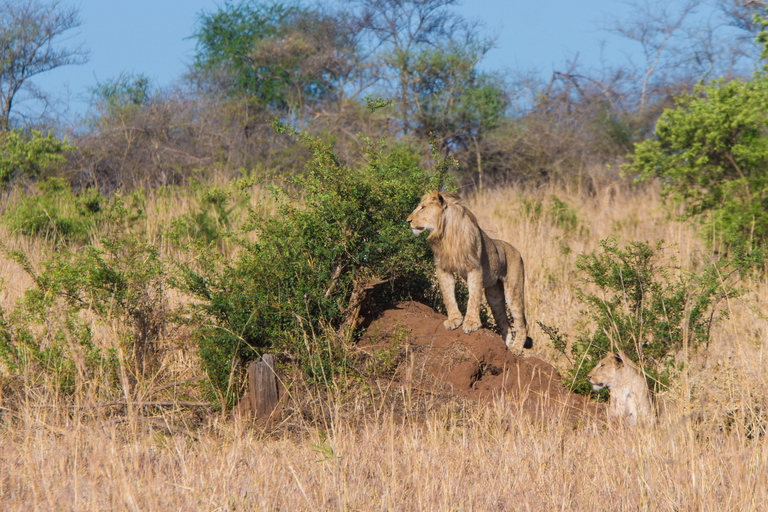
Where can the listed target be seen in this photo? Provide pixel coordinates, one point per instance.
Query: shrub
(120, 280)
(60, 216)
(710, 153)
(53, 349)
(211, 217)
(307, 271)
(29, 154)
(637, 304)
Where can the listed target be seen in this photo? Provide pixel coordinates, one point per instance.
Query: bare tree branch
(32, 42)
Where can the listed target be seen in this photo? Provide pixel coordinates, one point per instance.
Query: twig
(155, 404)
(178, 383)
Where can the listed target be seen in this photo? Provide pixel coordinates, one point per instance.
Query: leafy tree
(400, 29)
(710, 153)
(283, 55)
(428, 57)
(29, 154)
(453, 100)
(126, 91)
(30, 44)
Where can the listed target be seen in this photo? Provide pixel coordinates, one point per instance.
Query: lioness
(630, 399)
(461, 247)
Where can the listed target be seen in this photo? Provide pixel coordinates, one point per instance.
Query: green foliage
(127, 92)
(290, 290)
(710, 153)
(281, 54)
(58, 215)
(643, 307)
(211, 219)
(453, 100)
(121, 280)
(762, 38)
(565, 216)
(50, 344)
(225, 39)
(29, 154)
(559, 213)
(376, 103)
(118, 279)
(58, 352)
(323, 449)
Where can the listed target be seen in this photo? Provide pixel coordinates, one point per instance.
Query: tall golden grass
(706, 453)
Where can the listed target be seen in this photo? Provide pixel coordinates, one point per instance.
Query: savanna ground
(446, 433)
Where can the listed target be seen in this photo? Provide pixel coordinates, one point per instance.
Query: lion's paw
(515, 349)
(471, 325)
(453, 323)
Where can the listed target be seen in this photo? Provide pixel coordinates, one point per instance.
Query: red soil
(475, 366)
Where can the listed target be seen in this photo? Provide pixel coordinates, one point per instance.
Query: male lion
(461, 247)
(630, 399)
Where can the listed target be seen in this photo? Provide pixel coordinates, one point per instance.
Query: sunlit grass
(708, 452)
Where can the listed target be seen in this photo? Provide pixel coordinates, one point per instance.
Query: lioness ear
(440, 198)
(619, 358)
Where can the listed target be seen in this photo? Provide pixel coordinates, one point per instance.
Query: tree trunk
(261, 397)
(479, 164)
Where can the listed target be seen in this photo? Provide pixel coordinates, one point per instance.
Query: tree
(400, 31)
(282, 55)
(29, 154)
(710, 153)
(428, 57)
(453, 100)
(655, 25)
(31, 43)
(127, 90)
(740, 15)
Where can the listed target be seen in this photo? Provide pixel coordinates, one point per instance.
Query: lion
(461, 247)
(630, 399)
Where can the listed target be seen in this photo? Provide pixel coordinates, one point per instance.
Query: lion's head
(605, 373)
(438, 212)
(427, 215)
(453, 230)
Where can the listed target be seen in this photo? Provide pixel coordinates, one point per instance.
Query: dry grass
(708, 451)
(484, 458)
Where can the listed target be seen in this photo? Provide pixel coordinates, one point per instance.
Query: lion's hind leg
(514, 294)
(495, 296)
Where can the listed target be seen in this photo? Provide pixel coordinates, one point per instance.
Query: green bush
(29, 154)
(290, 286)
(710, 153)
(121, 280)
(643, 307)
(211, 218)
(60, 216)
(45, 350)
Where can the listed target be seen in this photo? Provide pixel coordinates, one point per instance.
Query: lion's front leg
(475, 285)
(448, 289)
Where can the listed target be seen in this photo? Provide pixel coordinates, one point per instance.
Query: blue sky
(152, 37)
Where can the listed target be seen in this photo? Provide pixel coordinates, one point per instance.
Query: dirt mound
(474, 366)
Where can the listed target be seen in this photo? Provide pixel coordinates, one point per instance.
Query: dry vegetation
(355, 452)
(136, 429)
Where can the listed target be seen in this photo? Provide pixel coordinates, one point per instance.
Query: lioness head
(604, 373)
(427, 214)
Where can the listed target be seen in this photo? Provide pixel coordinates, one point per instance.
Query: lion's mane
(456, 239)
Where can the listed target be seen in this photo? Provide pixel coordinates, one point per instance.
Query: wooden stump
(261, 397)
